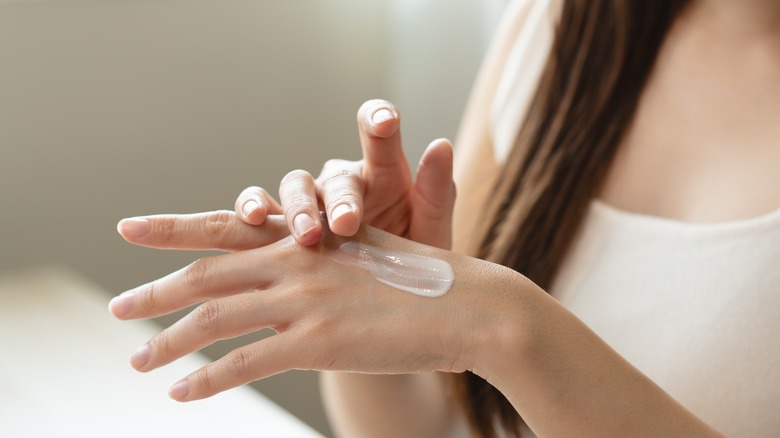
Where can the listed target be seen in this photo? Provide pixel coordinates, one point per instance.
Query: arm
(557, 373)
(561, 377)
(411, 405)
(405, 405)
(384, 195)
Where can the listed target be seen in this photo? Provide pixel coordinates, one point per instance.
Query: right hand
(377, 190)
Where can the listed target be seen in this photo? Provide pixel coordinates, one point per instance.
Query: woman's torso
(692, 300)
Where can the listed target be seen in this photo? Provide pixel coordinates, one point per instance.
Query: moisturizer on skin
(420, 275)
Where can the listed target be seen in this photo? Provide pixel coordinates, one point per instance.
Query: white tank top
(695, 307)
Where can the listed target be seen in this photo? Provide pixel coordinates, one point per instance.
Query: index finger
(221, 230)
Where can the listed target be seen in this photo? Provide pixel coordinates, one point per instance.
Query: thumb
(433, 196)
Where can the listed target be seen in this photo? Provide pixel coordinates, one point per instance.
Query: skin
(377, 190)
(557, 373)
(715, 93)
(299, 292)
(291, 289)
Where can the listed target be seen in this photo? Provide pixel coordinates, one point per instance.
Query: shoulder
(494, 109)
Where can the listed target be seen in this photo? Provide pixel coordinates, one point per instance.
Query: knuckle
(149, 298)
(215, 225)
(197, 274)
(296, 203)
(336, 175)
(161, 344)
(342, 183)
(167, 228)
(239, 363)
(207, 316)
(342, 192)
(432, 207)
(204, 379)
(333, 163)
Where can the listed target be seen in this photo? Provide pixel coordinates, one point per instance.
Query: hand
(328, 316)
(377, 190)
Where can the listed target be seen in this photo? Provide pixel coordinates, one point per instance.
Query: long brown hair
(601, 57)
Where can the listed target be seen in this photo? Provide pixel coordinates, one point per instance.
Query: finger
(214, 320)
(221, 230)
(254, 204)
(340, 187)
(433, 198)
(299, 203)
(208, 277)
(379, 123)
(252, 362)
(386, 166)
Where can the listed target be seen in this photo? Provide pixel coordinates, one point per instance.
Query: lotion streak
(420, 275)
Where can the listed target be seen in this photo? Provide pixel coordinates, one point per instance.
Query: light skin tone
(493, 321)
(378, 190)
(556, 372)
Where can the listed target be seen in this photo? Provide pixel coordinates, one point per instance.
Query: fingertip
(310, 238)
(249, 207)
(438, 158)
(121, 305)
(379, 118)
(384, 122)
(306, 229)
(253, 212)
(180, 391)
(133, 228)
(441, 147)
(345, 220)
(140, 358)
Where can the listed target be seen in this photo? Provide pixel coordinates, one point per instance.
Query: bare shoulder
(475, 165)
(476, 168)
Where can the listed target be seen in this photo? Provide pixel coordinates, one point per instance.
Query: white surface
(64, 372)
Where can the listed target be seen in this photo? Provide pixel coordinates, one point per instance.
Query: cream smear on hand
(420, 275)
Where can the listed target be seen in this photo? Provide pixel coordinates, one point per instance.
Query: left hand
(328, 316)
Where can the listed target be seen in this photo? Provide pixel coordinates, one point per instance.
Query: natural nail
(140, 358)
(121, 305)
(249, 207)
(341, 210)
(382, 115)
(180, 390)
(134, 227)
(303, 224)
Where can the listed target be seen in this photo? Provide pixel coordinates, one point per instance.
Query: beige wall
(117, 108)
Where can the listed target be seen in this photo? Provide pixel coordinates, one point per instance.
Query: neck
(741, 17)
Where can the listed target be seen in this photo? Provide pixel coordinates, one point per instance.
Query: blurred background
(116, 108)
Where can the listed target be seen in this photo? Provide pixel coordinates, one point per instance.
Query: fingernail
(180, 390)
(121, 305)
(249, 207)
(140, 358)
(134, 227)
(382, 115)
(303, 223)
(340, 210)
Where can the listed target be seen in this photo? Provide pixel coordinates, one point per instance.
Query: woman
(624, 160)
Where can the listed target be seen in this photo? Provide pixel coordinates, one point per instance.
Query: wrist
(499, 332)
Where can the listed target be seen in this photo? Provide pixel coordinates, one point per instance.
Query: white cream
(420, 275)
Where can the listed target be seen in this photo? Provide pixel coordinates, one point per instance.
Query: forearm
(565, 381)
(361, 405)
